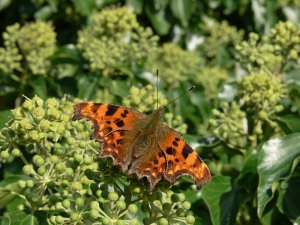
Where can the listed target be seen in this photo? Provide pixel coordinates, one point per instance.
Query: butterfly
(141, 144)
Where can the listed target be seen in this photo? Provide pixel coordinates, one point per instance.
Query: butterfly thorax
(146, 136)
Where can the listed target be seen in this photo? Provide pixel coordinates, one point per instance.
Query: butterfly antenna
(156, 88)
(191, 89)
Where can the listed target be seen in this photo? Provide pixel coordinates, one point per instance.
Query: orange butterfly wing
(181, 158)
(111, 122)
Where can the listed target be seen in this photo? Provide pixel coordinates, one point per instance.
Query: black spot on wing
(186, 151)
(119, 141)
(170, 151)
(95, 107)
(123, 115)
(177, 139)
(111, 109)
(155, 161)
(120, 123)
(175, 143)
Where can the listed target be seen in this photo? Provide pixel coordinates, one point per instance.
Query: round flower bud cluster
(211, 78)
(10, 58)
(256, 53)
(228, 125)
(166, 208)
(37, 43)
(219, 35)
(144, 99)
(262, 92)
(114, 39)
(273, 51)
(285, 37)
(175, 64)
(34, 43)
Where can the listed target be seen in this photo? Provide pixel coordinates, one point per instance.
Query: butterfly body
(141, 144)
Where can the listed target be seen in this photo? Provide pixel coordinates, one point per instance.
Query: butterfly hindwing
(152, 166)
(181, 158)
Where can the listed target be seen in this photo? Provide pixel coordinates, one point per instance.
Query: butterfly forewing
(181, 158)
(111, 123)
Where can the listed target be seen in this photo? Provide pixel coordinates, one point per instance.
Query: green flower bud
(79, 127)
(4, 154)
(52, 219)
(16, 152)
(54, 159)
(132, 209)
(262, 115)
(77, 185)
(22, 183)
(34, 135)
(60, 128)
(106, 221)
(87, 160)
(186, 205)
(29, 183)
(52, 102)
(120, 222)
(163, 221)
(59, 219)
(66, 203)
(79, 202)
(113, 196)
(41, 170)
(38, 113)
(38, 101)
(25, 123)
(190, 219)
(69, 171)
(78, 157)
(28, 170)
(38, 160)
(121, 205)
(75, 217)
(94, 213)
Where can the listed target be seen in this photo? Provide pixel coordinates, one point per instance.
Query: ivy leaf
(289, 197)
(275, 161)
(213, 194)
(158, 16)
(182, 10)
(84, 7)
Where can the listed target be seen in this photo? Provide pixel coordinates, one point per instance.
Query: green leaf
(158, 15)
(6, 89)
(250, 165)
(215, 195)
(289, 197)
(182, 10)
(39, 86)
(7, 188)
(136, 4)
(85, 8)
(4, 117)
(21, 218)
(290, 123)
(275, 161)
(43, 13)
(4, 4)
(87, 86)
